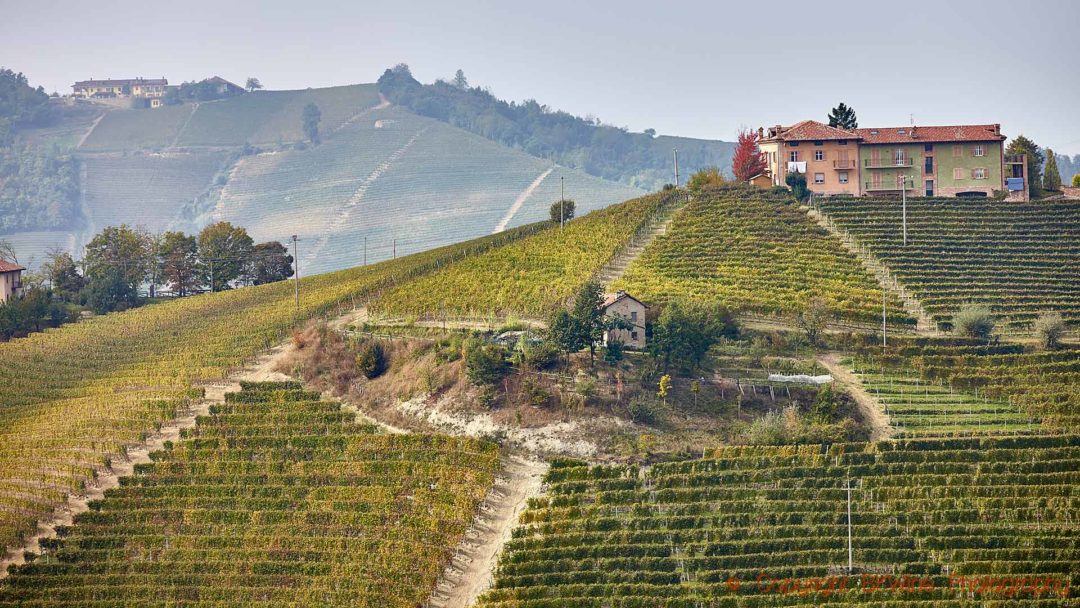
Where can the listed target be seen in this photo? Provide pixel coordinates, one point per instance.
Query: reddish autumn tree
(748, 160)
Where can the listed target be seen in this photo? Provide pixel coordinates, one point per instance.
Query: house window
(978, 173)
(819, 178)
(819, 155)
(928, 148)
(843, 177)
(819, 143)
(633, 316)
(842, 142)
(980, 150)
(929, 165)
(958, 173)
(957, 151)
(793, 156)
(793, 144)
(899, 156)
(633, 335)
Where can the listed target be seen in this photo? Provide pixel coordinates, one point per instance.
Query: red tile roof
(611, 298)
(809, 130)
(917, 134)
(9, 267)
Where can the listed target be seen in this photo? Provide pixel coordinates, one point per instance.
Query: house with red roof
(960, 160)
(10, 280)
(957, 160)
(826, 155)
(632, 311)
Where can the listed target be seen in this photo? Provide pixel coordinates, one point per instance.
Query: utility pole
(850, 564)
(296, 272)
(395, 249)
(676, 154)
(883, 342)
(903, 196)
(562, 201)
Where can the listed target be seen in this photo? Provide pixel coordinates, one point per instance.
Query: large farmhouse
(630, 309)
(148, 88)
(960, 160)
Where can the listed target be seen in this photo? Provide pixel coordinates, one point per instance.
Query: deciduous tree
(224, 255)
(253, 84)
(748, 160)
(562, 211)
(178, 258)
(270, 262)
(120, 249)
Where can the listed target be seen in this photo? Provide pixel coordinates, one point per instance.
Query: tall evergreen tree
(312, 116)
(1052, 177)
(460, 81)
(843, 117)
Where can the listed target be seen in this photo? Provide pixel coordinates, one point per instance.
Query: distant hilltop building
(959, 160)
(149, 88)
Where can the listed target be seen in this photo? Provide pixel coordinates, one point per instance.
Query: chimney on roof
(761, 132)
(997, 129)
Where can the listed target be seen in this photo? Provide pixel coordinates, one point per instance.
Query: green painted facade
(944, 166)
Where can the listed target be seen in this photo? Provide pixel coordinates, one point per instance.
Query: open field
(274, 497)
(1018, 258)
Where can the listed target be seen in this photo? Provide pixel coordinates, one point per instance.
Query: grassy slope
(1019, 258)
(394, 175)
(530, 277)
(137, 129)
(757, 253)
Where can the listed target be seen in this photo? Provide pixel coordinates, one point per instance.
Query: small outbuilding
(627, 307)
(10, 280)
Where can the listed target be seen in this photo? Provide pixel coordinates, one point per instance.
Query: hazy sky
(700, 69)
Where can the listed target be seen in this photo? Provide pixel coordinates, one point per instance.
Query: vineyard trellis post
(296, 272)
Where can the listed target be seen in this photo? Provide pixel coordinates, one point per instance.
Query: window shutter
(973, 174)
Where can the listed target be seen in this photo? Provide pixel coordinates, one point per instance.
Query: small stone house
(626, 306)
(10, 280)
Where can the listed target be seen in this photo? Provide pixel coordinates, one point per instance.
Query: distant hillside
(381, 173)
(638, 159)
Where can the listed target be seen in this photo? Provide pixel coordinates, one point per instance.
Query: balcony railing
(888, 163)
(884, 186)
(1014, 159)
(841, 165)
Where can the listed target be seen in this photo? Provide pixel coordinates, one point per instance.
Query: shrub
(613, 352)
(974, 321)
(540, 355)
(1076, 181)
(484, 363)
(642, 410)
(1049, 328)
(709, 176)
(533, 394)
(371, 360)
(797, 181)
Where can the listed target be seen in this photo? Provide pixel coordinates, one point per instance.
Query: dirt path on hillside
(520, 201)
(471, 569)
(93, 126)
(869, 406)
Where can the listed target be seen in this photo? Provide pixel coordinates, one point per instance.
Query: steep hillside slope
(391, 175)
(76, 398)
(274, 497)
(756, 253)
(402, 182)
(1018, 258)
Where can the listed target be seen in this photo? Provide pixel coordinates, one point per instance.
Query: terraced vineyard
(147, 190)
(396, 176)
(78, 396)
(530, 277)
(274, 498)
(137, 129)
(967, 521)
(755, 252)
(922, 408)
(1040, 385)
(1018, 258)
